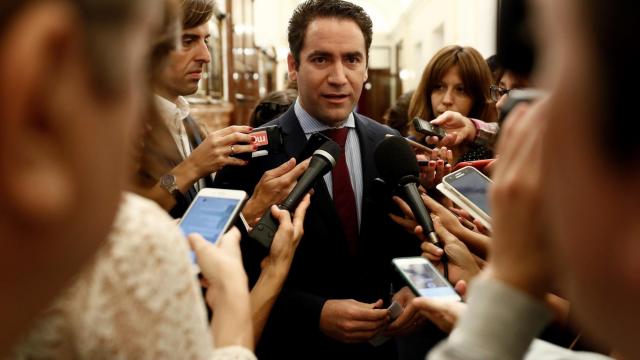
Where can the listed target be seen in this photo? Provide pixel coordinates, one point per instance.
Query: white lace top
(137, 300)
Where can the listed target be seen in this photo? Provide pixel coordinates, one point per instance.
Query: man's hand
(216, 149)
(351, 321)
(287, 238)
(408, 221)
(410, 319)
(273, 188)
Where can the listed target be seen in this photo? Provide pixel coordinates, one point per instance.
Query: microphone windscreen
(330, 148)
(395, 160)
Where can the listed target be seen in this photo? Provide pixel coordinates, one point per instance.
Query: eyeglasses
(497, 92)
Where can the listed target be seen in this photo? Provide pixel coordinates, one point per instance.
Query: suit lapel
(369, 171)
(292, 133)
(195, 139)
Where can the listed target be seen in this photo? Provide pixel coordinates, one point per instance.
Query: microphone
(322, 161)
(398, 167)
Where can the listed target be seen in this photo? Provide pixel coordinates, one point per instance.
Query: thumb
(378, 304)
(230, 240)
(279, 214)
(283, 169)
(197, 242)
(441, 119)
(461, 288)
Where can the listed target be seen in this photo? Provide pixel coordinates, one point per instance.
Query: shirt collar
(311, 125)
(173, 113)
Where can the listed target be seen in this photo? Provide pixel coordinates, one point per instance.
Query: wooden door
(376, 94)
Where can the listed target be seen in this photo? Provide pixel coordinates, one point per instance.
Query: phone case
(412, 285)
(268, 141)
(465, 204)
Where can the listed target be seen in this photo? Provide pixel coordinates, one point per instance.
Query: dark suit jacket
(322, 269)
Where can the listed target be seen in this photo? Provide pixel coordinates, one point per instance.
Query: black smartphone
(517, 96)
(424, 127)
(313, 143)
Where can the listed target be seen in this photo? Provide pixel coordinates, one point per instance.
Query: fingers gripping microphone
(322, 161)
(398, 167)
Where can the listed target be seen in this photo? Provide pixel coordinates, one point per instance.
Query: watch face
(167, 180)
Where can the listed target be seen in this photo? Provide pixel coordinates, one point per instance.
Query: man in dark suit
(338, 288)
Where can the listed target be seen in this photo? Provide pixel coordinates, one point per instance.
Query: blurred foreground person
(138, 297)
(73, 78)
(571, 222)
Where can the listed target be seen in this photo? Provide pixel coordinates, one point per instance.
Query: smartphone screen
(210, 217)
(472, 185)
(424, 279)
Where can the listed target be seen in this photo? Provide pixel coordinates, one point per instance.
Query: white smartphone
(211, 213)
(424, 279)
(468, 188)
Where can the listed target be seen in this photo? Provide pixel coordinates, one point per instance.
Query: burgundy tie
(343, 196)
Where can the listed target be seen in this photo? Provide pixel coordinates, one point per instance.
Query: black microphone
(322, 161)
(398, 167)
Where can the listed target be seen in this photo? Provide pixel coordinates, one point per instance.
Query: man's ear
(293, 67)
(37, 170)
(366, 74)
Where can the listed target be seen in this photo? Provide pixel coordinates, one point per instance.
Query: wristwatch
(168, 182)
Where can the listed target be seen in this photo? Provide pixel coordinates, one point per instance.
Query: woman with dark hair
(455, 79)
(455, 82)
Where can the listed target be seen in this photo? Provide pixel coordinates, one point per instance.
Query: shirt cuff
(486, 133)
(247, 228)
(502, 316)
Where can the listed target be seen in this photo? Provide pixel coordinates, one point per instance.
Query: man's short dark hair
(196, 12)
(310, 10)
